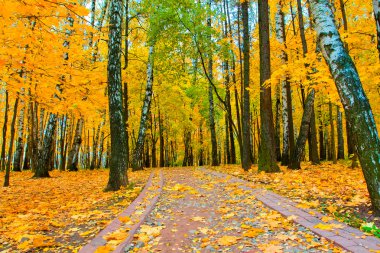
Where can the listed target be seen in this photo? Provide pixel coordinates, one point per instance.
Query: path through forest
(200, 212)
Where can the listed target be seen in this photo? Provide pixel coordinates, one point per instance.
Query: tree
(376, 12)
(10, 151)
(267, 151)
(137, 155)
(118, 161)
(246, 160)
(354, 100)
(296, 157)
(287, 111)
(44, 151)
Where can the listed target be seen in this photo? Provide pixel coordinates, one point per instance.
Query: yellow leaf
(328, 226)
(228, 240)
(253, 232)
(125, 219)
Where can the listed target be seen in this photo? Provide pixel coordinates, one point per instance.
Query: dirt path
(200, 212)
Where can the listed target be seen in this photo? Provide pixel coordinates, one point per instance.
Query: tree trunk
(322, 150)
(201, 156)
(287, 112)
(126, 110)
(214, 144)
(313, 145)
(10, 150)
(72, 161)
(95, 148)
(3, 160)
(246, 161)
(332, 136)
(162, 140)
(376, 11)
(100, 153)
(19, 143)
(137, 156)
(353, 98)
(267, 152)
(339, 125)
(295, 159)
(278, 124)
(62, 163)
(118, 160)
(44, 152)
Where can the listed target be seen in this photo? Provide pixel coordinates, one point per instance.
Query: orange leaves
(37, 211)
(328, 227)
(228, 240)
(253, 232)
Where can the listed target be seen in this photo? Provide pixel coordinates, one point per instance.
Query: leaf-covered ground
(334, 189)
(61, 213)
(199, 212)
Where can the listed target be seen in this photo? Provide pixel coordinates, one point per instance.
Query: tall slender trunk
(296, 157)
(201, 155)
(353, 98)
(72, 161)
(376, 11)
(214, 144)
(95, 148)
(332, 136)
(63, 126)
(126, 110)
(44, 152)
(19, 143)
(322, 150)
(10, 150)
(92, 21)
(246, 161)
(267, 151)
(312, 136)
(339, 127)
(100, 152)
(118, 159)
(162, 140)
(287, 112)
(277, 128)
(3, 162)
(137, 156)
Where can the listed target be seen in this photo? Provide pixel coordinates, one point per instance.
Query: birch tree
(354, 100)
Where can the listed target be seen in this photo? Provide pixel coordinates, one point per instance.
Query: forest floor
(336, 190)
(198, 210)
(61, 213)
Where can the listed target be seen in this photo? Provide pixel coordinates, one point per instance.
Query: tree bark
(3, 162)
(376, 11)
(214, 144)
(44, 152)
(10, 150)
(246, 161)
(353, 98)
(63, 128)
(278, 124)
(295, 159)
(72, 161)
(339, 125)
(267, 152)
(137, 156)
(162, 140)
(118, 160)
(332, 136)
(19, 143)
(287, 112)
